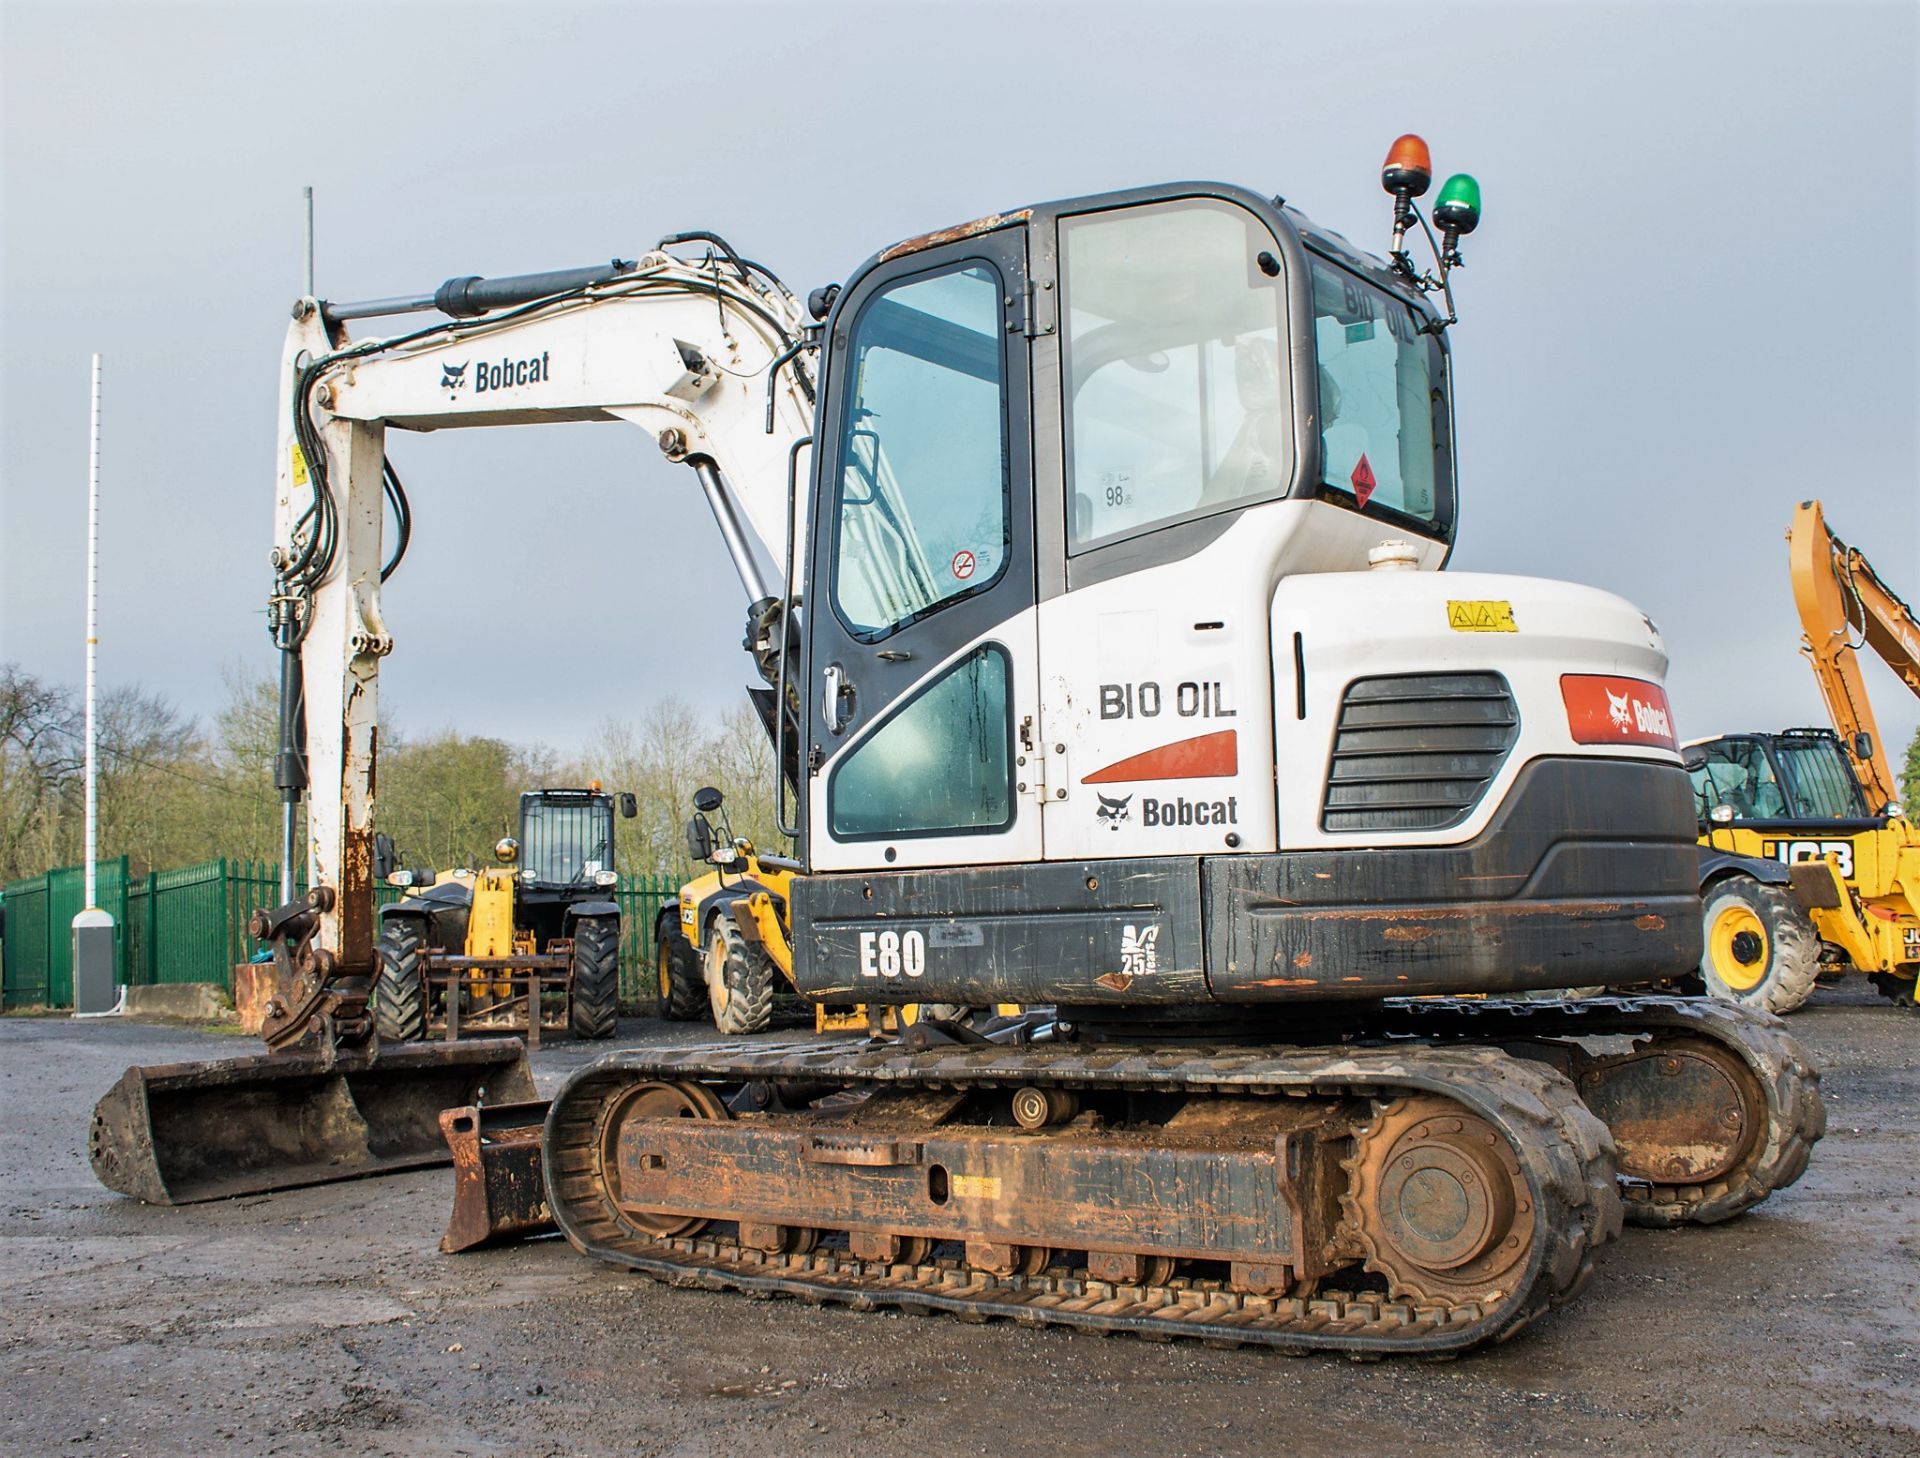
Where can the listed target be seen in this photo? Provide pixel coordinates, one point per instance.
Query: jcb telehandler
(486, 951)
(1123, 681)
(723, 950)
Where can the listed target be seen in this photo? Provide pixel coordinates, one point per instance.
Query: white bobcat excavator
(1110, 670)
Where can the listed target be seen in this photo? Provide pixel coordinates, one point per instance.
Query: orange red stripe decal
(1210, 756)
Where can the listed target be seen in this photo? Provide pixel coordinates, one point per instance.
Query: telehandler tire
(739, 978)
(1761, 951)
(399, 988)
(683, 993)
(594, 1004)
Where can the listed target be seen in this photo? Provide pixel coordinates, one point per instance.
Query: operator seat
(1257, 462)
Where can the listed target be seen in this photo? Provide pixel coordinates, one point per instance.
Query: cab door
(922, 652)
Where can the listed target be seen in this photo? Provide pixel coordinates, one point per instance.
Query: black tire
(683, 992)
(739, 980)
(594, 1003)
(1761, 951)
(1898, 990)
(400, 985)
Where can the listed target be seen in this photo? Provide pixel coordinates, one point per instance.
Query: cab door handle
(837, 703)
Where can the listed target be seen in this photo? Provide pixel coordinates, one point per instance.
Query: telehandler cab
(1113, 671)
(724, 950)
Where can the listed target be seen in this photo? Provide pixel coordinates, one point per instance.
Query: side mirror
(629, 807)
(384, 859)
(506, 850)
(1863, 745)
(707, 800)
(699, 839)
(1721, 815)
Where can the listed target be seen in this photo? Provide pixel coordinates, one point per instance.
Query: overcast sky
(1691, 303)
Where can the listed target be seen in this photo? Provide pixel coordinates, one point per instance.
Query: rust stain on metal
(956, 233)
(1407, 933)
(180, 1133)
(498, 1188)
(1680, 1112)
(1303, 960)
(1650, 922)
(356, 899)
(1114, 981)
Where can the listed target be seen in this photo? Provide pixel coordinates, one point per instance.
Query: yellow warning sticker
(1480, 617)
(977, 1187)
(299, 466)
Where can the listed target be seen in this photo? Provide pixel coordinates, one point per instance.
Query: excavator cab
(1096, 490)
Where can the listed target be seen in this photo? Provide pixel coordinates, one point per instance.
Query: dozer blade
(178, 1133)
(499, 1185)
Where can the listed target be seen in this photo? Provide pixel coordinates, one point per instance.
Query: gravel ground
(325, 1320)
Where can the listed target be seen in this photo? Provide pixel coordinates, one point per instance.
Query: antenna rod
(309, 193)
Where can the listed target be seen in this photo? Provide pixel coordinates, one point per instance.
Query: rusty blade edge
(499, 1182)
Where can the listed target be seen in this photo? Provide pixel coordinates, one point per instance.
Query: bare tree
(40, 765)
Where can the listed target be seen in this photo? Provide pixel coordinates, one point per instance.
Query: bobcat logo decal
(453, 376)
(1113, 811)
(1619, 711)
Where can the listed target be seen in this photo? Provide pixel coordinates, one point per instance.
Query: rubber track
(1566, 1152)
(1790, 1084)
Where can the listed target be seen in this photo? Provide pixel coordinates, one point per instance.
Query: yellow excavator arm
(1843, 603)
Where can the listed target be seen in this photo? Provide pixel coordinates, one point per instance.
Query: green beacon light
(1457, 211)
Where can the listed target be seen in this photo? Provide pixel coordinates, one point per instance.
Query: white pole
(94, 991)
(93, 627)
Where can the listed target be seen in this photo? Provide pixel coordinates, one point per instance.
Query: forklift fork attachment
(178, 1133)
(499, 1184)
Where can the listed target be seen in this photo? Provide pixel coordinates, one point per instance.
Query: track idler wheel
(654, 1101)
(1438, 1203)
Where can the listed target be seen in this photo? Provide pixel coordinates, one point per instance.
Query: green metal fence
(38, 914)
(640, 899)
(190, 925)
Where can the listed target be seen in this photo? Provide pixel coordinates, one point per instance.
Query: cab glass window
(1382, 398)
(1736, 772)
(559, 838)
(1176, 395)
(1819, 779)
(921, 514)
(943, 764)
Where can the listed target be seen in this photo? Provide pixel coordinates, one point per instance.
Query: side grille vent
(1415, 751)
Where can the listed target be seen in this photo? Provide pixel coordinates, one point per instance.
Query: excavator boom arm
(707, 356)
(1844, 603)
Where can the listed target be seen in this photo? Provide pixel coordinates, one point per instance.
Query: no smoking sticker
(963, 564)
